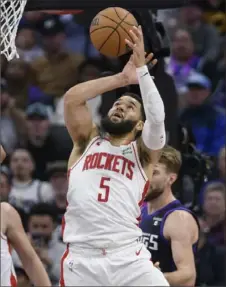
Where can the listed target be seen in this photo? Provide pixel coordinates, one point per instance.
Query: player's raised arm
(77, 116)
(19, 240)
(181, 246)
(153, 134)
(2, 154)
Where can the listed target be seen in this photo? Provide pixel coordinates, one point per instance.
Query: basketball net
(11, 13)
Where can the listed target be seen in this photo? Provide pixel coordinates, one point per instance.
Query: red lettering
(87, 162)
(108, 162)
(130, 166)
(101, 155)
(94, 161)
(124, 165)
(116, 163)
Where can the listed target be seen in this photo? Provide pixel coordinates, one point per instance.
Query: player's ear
(172, 178)
(139, 126)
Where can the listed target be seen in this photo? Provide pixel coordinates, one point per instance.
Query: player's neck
(160, 202)
(120, 140)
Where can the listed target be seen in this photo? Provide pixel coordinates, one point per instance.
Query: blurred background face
(25, 39)
(191, 14)
(214, 203)
(21, 165)
(37, 129)
(41, 227)
(89, 72)
(59, 183)
(53, 44)
(17, 70)
(196, 96)
(161, 181)
(4, 188)
(182, 45)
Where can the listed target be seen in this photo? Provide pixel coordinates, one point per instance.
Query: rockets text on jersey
(107, 186)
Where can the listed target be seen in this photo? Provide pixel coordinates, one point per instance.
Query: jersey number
(105, 190)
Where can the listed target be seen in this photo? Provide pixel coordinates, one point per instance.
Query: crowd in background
(55, 54)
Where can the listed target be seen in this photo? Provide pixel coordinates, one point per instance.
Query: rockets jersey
(152, 226)
(107, 186)
(8, 277)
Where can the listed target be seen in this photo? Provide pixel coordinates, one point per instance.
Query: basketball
(109, 29)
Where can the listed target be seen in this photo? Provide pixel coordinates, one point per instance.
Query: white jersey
(8, 277)
(107, 185)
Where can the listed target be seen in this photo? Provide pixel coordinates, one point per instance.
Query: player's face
(124, 117)
(21, 164)
(161, 180)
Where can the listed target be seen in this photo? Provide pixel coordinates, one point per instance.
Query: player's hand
(129, 72)
(137, 45)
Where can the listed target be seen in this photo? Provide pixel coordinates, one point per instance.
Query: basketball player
(107, 176)
(12, 231)
(170, 231)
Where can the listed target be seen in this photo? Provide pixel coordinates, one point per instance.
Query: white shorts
(130, 266)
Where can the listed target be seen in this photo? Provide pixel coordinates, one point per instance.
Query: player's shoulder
(182, 218)
(8, 211)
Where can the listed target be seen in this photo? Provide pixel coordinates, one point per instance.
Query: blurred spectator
(46, 143)
(27, 43)
(89, 69)
(206, 121)
(57, 172)
(183, 62)
(22, 278)
(41, 224)
(214, 13)
(222, 164)
(4, 184)
(19, 78)
(25, 191)
(13, 124)
(205, 36)
(209, 261)
(214, 207)
(57, 70)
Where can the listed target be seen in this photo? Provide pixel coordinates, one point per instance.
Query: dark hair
(42, 209)
(139, 99)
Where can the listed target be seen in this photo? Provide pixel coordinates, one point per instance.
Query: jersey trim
(3, 236)
(62, 282)
(85, 152)
(134, 146)
(140, 203)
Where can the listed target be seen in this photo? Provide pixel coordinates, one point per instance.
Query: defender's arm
(182, 231)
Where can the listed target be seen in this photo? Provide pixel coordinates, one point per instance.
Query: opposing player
(12, 232)
(170, 231)
(109, 179)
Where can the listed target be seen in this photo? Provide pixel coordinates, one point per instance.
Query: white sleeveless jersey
(107, 186)
(8, 277)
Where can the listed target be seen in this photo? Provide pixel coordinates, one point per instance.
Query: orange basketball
(109, 29)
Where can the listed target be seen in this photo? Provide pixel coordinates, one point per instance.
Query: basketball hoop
(11, 13)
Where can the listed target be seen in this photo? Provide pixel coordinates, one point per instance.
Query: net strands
(11, 13)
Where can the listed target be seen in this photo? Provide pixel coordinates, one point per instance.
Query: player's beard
(154, 193)
(117, 129)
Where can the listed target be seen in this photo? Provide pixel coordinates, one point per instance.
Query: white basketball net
(11, 13)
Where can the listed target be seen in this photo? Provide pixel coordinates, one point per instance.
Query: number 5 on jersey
(103, 195)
